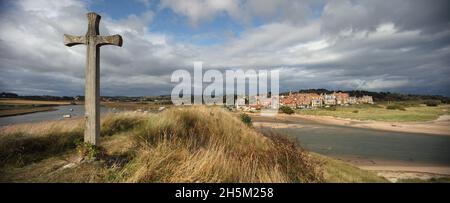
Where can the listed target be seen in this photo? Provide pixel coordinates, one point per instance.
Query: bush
(286, 110)
(246, 119)
(396, 107)
(432, 102)
(87, 150)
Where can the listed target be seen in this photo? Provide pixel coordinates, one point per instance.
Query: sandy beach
(395, 171)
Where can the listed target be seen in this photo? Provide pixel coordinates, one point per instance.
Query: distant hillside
(377, 96)
(35, 97)
(380, 96)
(161, 98)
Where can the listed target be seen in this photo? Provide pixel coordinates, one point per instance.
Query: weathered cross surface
(92, 87)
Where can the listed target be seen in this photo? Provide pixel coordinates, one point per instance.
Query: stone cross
(92, 86)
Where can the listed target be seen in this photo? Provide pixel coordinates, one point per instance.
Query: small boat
(70, 109)
(67, 116)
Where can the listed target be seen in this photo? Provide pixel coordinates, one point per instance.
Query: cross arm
(109, 40)
(70, 40)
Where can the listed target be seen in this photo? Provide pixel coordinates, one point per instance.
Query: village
(140, 113)
(301, 101)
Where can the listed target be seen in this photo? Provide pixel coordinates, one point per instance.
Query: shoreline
(24, 111)
(441, 126)
(394, 173)
(390, 166)
(17, 107)
(393, 170)
(397, 171)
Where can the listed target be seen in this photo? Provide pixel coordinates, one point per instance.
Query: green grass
(336, 171)
(132, 106)
(431, 180)
(31, 102)
(21, 110)
(381, 113)
(21, 148)
(14, 107)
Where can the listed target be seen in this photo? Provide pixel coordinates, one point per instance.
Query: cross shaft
(92, 86)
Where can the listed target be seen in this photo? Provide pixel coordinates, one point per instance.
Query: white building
(240, 102)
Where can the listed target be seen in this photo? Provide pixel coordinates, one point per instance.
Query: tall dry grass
(26, 143)
(201, 144)
(194, 144)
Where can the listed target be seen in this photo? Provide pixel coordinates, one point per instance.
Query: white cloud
(201, 10)
(198, 11)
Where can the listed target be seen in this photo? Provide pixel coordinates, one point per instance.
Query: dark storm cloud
(399, 45)
(368, 14)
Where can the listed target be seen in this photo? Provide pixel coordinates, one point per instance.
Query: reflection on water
(368, 144)
(76, 111)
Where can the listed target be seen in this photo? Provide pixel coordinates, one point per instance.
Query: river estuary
(347, 143)
(365, 146)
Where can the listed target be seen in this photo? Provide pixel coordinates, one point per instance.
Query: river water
(368, 145)
(76, 111)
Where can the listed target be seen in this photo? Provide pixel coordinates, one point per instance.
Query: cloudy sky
(395, 45)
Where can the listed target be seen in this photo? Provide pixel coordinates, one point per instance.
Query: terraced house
(313, 100)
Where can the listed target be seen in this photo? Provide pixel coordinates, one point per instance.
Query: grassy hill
(194, 144)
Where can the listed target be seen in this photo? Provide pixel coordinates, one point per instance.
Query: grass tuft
(21, 148)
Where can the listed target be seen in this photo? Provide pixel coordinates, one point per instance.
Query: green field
(336, 171)
(132, 106)
(23, 110)
(14, 107)
(379, 112)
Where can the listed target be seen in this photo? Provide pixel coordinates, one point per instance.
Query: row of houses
(257, 102)
(313, 100)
